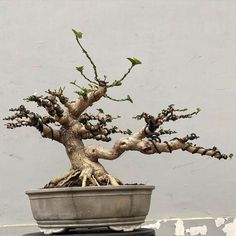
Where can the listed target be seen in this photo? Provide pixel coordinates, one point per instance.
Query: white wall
(188, 50)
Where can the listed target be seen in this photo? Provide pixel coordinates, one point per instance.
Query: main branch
(23, 117)
(87, 100)
(151, 147)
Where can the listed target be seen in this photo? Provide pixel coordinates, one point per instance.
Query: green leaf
(100, 110)
(77, 34)
(80, 69)
(83, 91)
(116, 83)
(129, 99)
(86, 91)
(134, 61)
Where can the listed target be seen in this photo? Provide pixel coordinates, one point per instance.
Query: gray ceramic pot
(63, 208)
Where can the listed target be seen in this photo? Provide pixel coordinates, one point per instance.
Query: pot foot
(49, 231)
(125, 228)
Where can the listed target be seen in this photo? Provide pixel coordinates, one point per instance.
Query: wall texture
(188, 52)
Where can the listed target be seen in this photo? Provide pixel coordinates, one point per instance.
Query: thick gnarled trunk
(85, 169)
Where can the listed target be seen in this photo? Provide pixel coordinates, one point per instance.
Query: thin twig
(89, 58)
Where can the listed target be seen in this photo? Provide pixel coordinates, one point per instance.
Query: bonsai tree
(69, 123)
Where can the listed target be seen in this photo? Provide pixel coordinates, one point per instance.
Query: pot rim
(88, 188)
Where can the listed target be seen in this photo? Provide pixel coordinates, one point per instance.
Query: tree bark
(85, 169)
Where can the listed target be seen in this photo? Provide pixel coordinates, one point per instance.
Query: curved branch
(128, 98)
(51, 105)
(59, 94)
(134, 62)
(150, 147)
(166, 115)
(23, 117)
(119, 82)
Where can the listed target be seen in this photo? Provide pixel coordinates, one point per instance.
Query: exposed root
(86, 175)
(113, 181)
(77, 178)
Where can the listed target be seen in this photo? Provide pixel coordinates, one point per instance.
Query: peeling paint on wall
(155, 226)
(219, 222)
(230, 228)
(199, 230)
(179, 228)
(221, 226)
